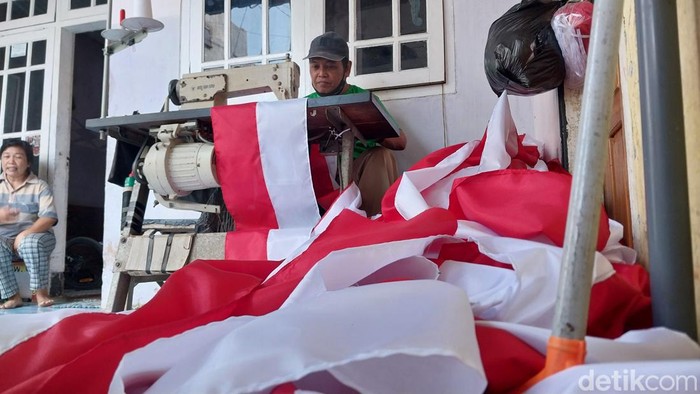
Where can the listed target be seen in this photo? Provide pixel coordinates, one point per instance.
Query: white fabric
(525, 295)
(381, 347)
(626, 361)
(284, 156)
(502, 138)
(657, 343)
(16, 329)
(344, 268)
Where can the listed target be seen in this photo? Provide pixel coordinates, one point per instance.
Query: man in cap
(374, 165)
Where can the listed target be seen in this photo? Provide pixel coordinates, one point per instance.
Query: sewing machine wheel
(172, 92)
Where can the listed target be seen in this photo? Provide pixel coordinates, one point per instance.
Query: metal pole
(573, 298)
(105, 67)
(665, 172)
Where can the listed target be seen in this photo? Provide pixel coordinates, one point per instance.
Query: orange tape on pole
(562, 353)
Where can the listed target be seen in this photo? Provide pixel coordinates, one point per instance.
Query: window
(70, 9)
(20, 13)
(257, 32)
(24, 89)
(76, 4)
(393, 43)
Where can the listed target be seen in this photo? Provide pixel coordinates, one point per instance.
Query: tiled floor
(91, 303)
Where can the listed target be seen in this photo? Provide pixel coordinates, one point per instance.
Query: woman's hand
(8, 214)
(19, 238)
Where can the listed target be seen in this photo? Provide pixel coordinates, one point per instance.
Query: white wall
(433, 117)
(139, 77)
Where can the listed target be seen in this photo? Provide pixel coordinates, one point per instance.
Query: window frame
(434, 73)
(49, 17)
(195, 39)
(48, 66)
(65, 12)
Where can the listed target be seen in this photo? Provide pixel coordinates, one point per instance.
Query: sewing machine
(176, 157)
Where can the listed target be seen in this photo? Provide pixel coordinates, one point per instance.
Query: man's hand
(396, 143)
(8, 215)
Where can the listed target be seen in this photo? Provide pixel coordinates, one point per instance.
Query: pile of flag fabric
(450, 290)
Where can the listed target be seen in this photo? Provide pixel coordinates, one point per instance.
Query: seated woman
(27, 215)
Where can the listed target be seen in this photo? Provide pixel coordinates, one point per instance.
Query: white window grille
(257, 32)
(25, 83)
(20, 13)
(393, 43)
(71, 9)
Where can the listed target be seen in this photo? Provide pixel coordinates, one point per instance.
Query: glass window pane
(373, 60)
(337, 18)
(100, 2)
(20, 9)
(14, 100)
(246, 28)
(18, 55)
(280, 27)
(35, 142)
(75, 4)
(41, 7)
(414, 55)
(36, 95)
(1, 84)
(3, 12)
(2, 59)
(213, 34)
(39, 52)
(373, 19)
(412, 17)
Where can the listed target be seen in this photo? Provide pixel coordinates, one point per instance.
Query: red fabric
(514, 202)
(508, 361)
(246, 245)
(525, 156)
(321, 178)
(239, 167)
(201, 292)
(519, 204)
(618, 305)
(351, 230)
(66, 354)
(467, 252)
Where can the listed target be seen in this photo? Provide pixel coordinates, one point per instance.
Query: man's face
(327, 74)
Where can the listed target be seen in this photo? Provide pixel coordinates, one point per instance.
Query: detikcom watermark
(630, 380)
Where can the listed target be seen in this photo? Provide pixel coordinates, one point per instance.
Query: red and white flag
(471, 232)
(263, 163)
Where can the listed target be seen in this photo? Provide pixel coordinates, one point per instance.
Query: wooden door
(616, 192)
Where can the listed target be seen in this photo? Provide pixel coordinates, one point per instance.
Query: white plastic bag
(572, 26)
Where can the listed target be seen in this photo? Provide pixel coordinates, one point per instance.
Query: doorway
(84, 228)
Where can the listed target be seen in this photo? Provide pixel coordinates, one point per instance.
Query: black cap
(329, 46)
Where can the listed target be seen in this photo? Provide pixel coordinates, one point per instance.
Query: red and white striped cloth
(450, 290)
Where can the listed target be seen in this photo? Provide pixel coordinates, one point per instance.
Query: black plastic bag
(522, 55)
